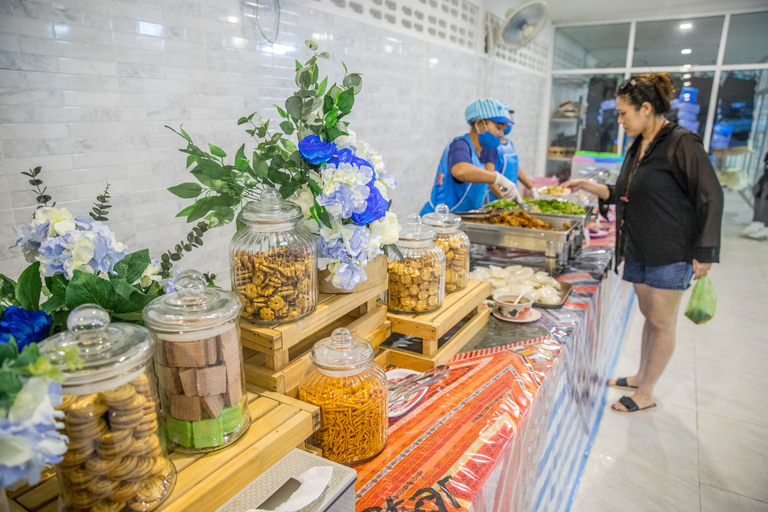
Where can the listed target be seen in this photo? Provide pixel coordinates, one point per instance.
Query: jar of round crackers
(455, 245)
(116, 458)
(351, 391)
(199, 364)
(416, 282)
(273, 261)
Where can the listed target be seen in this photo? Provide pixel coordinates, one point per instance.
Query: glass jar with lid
(351, 391)
(417, 282)
(273, 261)
(455, 245)
(116, 458)
(199, 364)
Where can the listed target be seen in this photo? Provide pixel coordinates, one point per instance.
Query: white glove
(535, 194)
(508, 188)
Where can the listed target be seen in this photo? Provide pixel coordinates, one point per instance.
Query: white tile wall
(87, 85)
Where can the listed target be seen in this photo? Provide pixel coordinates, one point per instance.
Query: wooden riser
(422, 363)
(372, 326)
(430, 327)
(276, 342)
(205, 482)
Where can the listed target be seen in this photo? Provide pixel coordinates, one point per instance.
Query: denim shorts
(675, 276)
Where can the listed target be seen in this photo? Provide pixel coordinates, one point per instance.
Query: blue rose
(25, 326)
(376, 207)
(316, 151)
(347, 156)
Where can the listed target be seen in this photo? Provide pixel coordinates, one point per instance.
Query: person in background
(757, 229)
(461, 180)
(507, 162)
(668, 217)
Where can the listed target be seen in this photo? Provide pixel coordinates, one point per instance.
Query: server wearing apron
(507, 162)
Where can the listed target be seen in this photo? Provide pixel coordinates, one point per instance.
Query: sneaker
(754, 227)
(758, 235)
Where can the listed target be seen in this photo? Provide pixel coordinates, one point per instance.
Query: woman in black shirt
(668, 215)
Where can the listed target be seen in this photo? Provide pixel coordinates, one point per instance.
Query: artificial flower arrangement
(341, 183)
(77, 260)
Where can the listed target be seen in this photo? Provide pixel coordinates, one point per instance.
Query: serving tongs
(406, 388)
(482, 215)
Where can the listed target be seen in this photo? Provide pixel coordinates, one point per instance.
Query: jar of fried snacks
(455, 245)
(274, 262)
(351, 391)
(417, 282)
(199, 364)
(116, 458)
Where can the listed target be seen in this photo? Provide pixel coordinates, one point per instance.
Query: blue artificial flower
(347, 156)
(30, 239)
(316, 151)
(25, 326)
(376, 207)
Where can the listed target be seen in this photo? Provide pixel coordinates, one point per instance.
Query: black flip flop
(632, 406)
(621, 382)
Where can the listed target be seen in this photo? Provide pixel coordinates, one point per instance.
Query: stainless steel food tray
(523, 238)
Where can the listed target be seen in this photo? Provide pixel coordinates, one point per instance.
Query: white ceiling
(567, 11)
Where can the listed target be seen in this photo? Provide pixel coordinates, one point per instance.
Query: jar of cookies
(351, 391)
(116, 458)
(417, 281)
(455, 245)
(273, 261)
(199, 364)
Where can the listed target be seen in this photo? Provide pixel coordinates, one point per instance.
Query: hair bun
(665, 87)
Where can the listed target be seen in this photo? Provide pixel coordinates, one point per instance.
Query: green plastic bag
(703, 301)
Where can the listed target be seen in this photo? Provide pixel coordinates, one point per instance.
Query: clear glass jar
(455, 245)
(199, 364)
(116, 458)
(417, 282)
(351, 391)
(274, 262)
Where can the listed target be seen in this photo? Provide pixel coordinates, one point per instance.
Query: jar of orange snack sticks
(351, 391)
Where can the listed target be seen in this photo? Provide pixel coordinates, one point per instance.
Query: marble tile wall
(86, 87)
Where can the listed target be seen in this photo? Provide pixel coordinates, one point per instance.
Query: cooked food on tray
(516, 219)
(557, 206)
(516, 280)
(556, 190)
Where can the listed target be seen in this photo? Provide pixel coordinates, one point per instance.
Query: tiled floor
(705, 448)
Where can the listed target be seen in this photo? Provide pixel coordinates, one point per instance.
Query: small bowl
(504, 305)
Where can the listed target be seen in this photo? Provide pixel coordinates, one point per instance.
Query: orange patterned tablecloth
(467, 431)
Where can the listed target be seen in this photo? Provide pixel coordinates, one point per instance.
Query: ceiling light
(686, 76)
(686, 51)
(686, 67)
(686, 26)
(686, 84)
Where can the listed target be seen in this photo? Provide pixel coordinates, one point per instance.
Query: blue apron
(506, 162)
(460, 197)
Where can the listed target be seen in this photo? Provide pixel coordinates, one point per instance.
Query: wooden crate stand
(372, 326)
(430, 327)
(276, 342)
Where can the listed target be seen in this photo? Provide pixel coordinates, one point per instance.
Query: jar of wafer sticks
(116, 459)
(273, 262)
(199, 364)
(351, 391)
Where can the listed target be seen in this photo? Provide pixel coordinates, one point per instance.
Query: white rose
(386, 229)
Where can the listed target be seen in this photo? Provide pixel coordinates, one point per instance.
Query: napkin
(313, 482)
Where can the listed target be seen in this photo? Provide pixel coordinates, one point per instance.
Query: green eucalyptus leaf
(289, 145)
(354, 81)
(186, 190)
(216, 151)
(293, 106)
(334, 93)
(311, 44)
(287, 127)
(324, 55)
(29, 287)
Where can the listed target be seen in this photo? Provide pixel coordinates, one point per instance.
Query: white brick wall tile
(26, 26)
(23, 62)
(88, 67)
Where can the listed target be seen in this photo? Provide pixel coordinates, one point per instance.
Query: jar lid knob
(341, 339)
(190, 285)
(88, 321)
(442, 209)
(271, 198)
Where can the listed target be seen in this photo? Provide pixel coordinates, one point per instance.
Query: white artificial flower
(82, 247)
(386, 230)
(33, 404)
(346, 141)
(151, 274)
(61, 220)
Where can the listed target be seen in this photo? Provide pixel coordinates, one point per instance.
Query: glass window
(691, 107)
(677, 42)
(596, 46)
(747, 39)
(740, 134)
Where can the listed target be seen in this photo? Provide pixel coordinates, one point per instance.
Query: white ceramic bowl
(504, 305)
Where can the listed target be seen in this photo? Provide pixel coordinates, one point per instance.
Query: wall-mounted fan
(520, 26)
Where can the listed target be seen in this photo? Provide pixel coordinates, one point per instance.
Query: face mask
(488, 140)
(508, 129)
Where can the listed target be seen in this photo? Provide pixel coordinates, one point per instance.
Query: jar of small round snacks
(273, 262)
(455, 245)
(351, 391)
(199, 364)
(416, 282)
(116, 458)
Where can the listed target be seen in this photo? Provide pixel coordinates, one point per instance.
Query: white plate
(532, 316)
(398, 374)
